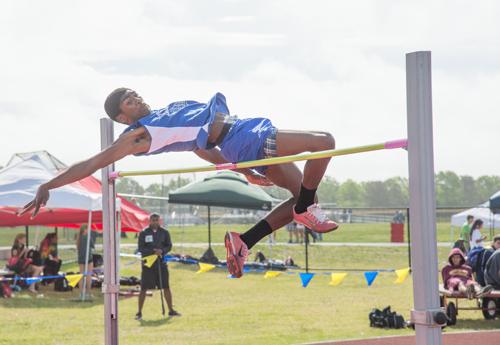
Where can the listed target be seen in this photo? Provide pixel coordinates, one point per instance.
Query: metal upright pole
(110, 288)
(306, 243)
(87, 252)
(408, 236)
(209, 229)
(422, 199)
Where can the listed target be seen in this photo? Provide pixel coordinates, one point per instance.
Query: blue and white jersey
(181, 126)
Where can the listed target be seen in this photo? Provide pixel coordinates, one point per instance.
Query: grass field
(374, 232)
(218, 310)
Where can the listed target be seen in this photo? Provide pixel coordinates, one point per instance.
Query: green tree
(350, 194)
(328, 190)
(470, 194)
(375, 193)
(178, 182)
(487, 186)
(129, 186)
(448, 189)
(397, 192)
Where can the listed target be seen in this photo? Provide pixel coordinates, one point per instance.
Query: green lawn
(218, 310)
(374, 232)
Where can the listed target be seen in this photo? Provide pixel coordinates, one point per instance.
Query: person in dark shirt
(495, 245)
(155, 240)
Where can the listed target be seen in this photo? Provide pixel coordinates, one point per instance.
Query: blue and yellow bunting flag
(402, 275)
(271, 274)
(30, 281)
(337, 278)
(150, 260)
(306, 278)
(205, 267)
(73, 279)
(370, 277)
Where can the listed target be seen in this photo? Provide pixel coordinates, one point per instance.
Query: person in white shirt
(476, 239)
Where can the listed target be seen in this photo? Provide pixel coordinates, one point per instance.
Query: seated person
(495, 245)
(259, 257)
(457, 276)
(492, 270)
(289, 261)
(20, 264)
(48, 254)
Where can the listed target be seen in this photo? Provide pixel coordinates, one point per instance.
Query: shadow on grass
(50, 300)
(477, 324)
(154, 323)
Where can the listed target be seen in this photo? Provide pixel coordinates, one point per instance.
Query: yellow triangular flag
(73, 279)
(337, 278)
(271, 274)
(402, 275)
(205, 267)
(150, 260)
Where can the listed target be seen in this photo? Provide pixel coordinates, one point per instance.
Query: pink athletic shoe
(315, 219)
(236, 253)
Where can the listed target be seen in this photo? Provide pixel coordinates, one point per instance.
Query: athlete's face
(132, 108)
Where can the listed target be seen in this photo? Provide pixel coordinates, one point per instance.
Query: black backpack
(386, 319)
(61, 285)
(34, 255)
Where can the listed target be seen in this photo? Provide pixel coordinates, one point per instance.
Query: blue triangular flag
(30, 281)
(370, 277)
(306, 278)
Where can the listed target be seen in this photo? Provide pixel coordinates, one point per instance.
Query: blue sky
(322, 65)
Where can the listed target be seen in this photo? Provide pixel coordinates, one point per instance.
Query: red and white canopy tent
(68, 206)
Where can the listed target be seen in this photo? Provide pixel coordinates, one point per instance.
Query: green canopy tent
(224, 189)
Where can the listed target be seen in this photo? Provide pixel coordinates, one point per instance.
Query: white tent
(20, 180)
(480, 212)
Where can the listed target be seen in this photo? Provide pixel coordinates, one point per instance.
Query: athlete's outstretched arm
(215, 157)
(136, 141)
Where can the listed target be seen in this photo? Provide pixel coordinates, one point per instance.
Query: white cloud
(334, 66)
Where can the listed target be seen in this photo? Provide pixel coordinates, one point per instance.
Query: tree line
(452, 190)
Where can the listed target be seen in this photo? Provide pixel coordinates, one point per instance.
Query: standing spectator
(81, 246)
(48, 255)
(299, 232)
(291, 228)
(343, 216)
(19, 262)
(313, 234)
(155, 240)
(271, 239)
(398, 218)
(319, 236)
(465, 233)
(495, 245)
(476, 239)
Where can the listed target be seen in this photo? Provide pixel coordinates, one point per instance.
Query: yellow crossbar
(402, 143)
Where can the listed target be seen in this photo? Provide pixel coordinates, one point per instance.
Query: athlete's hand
(41, 198)
(258, 179)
